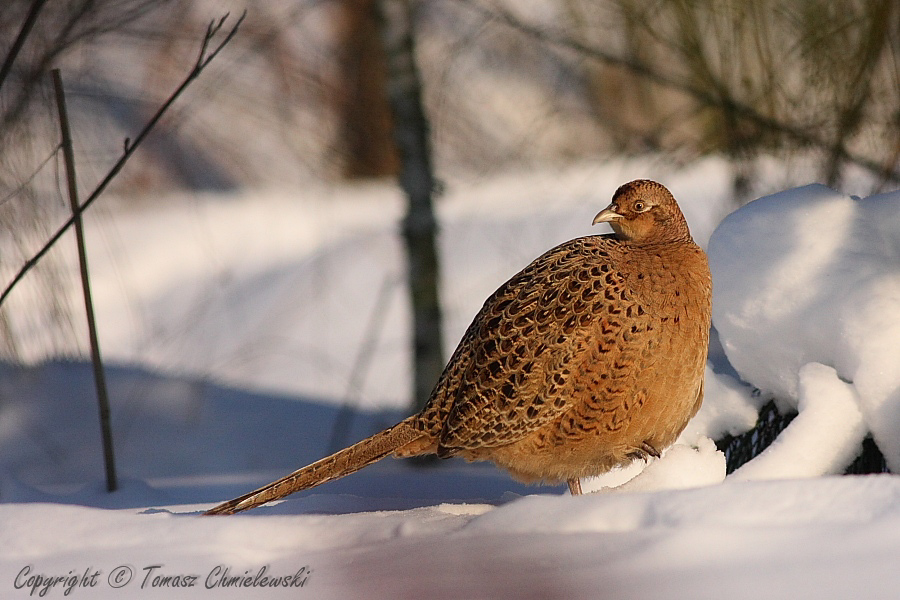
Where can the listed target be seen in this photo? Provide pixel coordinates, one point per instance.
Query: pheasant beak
(606, 215)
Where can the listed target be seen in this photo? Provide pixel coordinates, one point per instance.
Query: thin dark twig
(27, 25)
(204, 58)
(109, 460)
(31, 177)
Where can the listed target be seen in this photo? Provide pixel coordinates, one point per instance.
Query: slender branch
(203, 59)
(27, 25)
(802, 136)
(31, 177)
(109, 460)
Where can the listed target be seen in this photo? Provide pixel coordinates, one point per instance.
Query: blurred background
(774, 93)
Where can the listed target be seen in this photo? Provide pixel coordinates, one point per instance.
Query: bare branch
(129, 148)
(31, 177)
(27, 25)
(109, 460)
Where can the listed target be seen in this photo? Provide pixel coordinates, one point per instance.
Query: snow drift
(807, 304)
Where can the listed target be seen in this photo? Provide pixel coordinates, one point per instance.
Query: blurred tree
(411, 135)
(361, 99)
(691, 78)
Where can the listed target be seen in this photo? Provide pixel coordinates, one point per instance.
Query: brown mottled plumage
(591, 356)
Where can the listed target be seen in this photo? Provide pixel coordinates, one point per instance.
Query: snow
(823, 538)
(233, 327)
(823, 439)
(807, 279)
(734, 410)
(681, 466)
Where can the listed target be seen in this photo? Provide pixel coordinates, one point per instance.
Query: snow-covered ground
(238, 327)
(825, 538)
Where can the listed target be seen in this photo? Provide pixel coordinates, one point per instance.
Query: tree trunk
(364, 114)
(417, 181)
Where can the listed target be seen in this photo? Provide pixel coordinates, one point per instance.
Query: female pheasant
(589, 357)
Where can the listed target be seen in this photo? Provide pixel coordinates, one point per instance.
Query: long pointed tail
(343, 462)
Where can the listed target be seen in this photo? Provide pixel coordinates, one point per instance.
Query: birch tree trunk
(417, 180)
